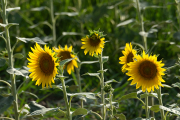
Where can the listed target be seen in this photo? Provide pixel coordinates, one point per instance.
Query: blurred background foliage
(119, 21)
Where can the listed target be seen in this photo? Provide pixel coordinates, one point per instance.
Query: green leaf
(170, 110)
(167, 86)
(128, 96)
(110, 81)
(86, 94)
(8, 25)
(73, 88)
(105, 59)
(125, 22)
(41, 23)
(71, 33)
(148, 94)
(155, 108)
(63, 62)
(35, 106)
(18, 55)
(30, 93)
(13, 9)
(101, 71)
(93, 74)
(36, 39)
(80, 111)
(14, 71)
(39, 8)
(2, 62)
(89, 62)
(120, 116)
(68, 13)
(53, 86)
(177, 84)
(5, 103)
(139, 118)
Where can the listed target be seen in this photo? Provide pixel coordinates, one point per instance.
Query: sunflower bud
(107, 88)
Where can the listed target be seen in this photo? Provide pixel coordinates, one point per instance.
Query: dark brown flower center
(130, 57)
(147, 69)
(46, 64)
(94, 40)
(64, 55)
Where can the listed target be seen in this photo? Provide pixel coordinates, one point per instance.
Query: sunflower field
(89, 60)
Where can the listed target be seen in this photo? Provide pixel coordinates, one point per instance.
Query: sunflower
(146, 71)
(42, 65)
(129, 54)
(93, 43)
(66, 53)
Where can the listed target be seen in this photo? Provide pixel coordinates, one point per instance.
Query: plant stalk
(102, 87)
(66, 99)
(146, 106)
(111, 96)
(53, 23)
(160, 103)
(178, 11)
(142, 24)
(10, 55)
(79, 84)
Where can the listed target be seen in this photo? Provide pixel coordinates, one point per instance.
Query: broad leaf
(177, 84)
(18, 55)
(155, 108)
(80, 111)
(5, 103)
(67, 13)
(105, 59)
(12, 9)
(89, 62)
(110, 81)
(42, 111)
(8, 25)
(53, 86)
(167, 86)
(128, 96)
(63, 62)
(86, 94)
(120, 116)
(169, 109)
(14, 71)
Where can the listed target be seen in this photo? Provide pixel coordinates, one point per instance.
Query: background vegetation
(119, 21)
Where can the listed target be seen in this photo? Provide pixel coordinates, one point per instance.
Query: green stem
(178, 11)
(160, 103)
(66, 99)
(146, 106)
(142, 24)
(102, 87)
(110, 96)
(53, 23)
(79, 83)
(10, 55)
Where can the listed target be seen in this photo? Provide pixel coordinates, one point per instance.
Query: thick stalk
(142, 24)
(10, 55)
(160, 103)
(102, 88)
(53, 23)
(66, 100)
(111, 96)
(146, 106)
(79, 83)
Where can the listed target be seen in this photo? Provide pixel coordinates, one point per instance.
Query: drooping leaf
(149, 94)
(18, 55)
(2, 62)
(14, 71)
(105, 59)
(8, 25)
(89, 62)
(128, 96)
(86, 94)
(80, 111)
(53, 86)
(169, 109)
(71, 33)
(63, 62)
(39, 8)
(155, 108)
(120, 116)
(35, 106)
(41, 23)
(12, 9)
(177, 84)
(167, 86)
(5, 103)
(36, 39)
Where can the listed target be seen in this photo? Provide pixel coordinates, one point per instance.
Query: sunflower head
(128, 57)
(146, 72)
(66, 53)
(42, 64)
(93, 43)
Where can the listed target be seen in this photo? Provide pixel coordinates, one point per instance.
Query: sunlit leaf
(170, 110)
(14, 71)
(8, 25)
(68, 13)
(110, 81)
(36, 39)
(167, 86)
(80, 111)
(39, 8)
(105, 58)
(18, 55)
(71, 33)
(177, 84)
(125, 22)
(89, 62)
(86, 94)
(12, 9)
(5, 103)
